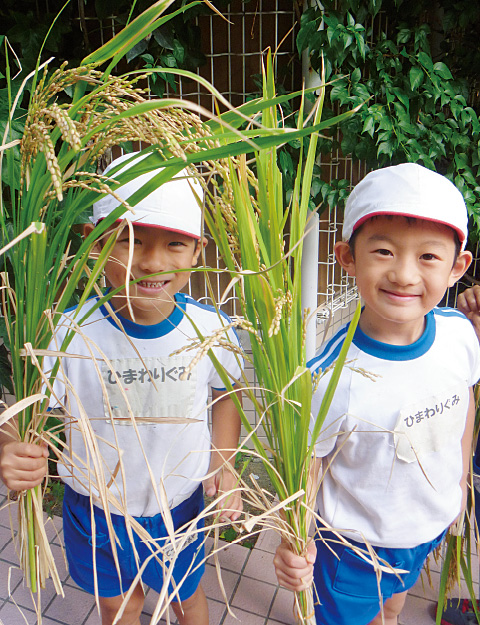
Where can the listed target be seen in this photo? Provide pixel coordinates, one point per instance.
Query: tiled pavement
(248, 576)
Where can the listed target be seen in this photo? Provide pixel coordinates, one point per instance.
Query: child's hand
(294, 572)
(222, 482)
(469, 304)
(23, 465)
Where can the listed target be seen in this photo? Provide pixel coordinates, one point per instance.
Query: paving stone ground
(248, 578)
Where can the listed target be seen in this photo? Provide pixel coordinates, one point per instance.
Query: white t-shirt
(169, 438)
(393, 432)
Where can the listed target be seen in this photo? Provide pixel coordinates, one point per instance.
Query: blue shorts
(346, 586)
(77, 531)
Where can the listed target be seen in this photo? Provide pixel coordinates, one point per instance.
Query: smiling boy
(154, 250)
(158, 447)
(396, 443)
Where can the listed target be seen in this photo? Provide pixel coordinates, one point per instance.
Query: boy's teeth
(151, 284)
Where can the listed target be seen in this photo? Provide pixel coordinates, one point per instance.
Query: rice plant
(260, 241)
(458, 549)
(62, 141)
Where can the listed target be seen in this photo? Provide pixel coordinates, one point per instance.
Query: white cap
(409, 190)
(172, 206)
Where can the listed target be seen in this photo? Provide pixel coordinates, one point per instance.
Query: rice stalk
(457, 555)
(260, 241)
(92, 476)
(59, 150)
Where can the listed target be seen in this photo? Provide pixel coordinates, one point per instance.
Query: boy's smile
(154, 250)
(402, 270)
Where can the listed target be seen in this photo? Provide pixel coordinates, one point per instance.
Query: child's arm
(22, 465)
(467, 447)
(225, 435)
(469, 304)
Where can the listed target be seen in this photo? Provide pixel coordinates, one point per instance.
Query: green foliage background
(32, 32)
(78, 32)
(414, 64)
(416, 68)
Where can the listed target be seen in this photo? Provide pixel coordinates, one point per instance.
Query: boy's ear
(344, 256)
(460, 266)
(87, 229)
(199, 246)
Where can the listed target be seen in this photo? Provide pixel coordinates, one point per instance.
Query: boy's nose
(403, 273)
(153, 259)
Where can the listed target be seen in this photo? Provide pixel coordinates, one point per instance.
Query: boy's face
(402, 271)
(154, 250)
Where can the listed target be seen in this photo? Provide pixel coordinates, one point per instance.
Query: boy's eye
(429, 257)
(383, 252)
(177, 244)
(126, 240)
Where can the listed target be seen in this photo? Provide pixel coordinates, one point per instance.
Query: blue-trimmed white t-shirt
(393, 433)
(168, 438)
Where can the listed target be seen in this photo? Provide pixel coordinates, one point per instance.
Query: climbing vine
(411, 68)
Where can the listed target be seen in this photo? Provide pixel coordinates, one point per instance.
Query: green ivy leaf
(149, 61)
(286, 163)
(178, 51)
(461, 161)
(442, 70)
(316, 186)
(4, 333)
(402, 96)
(425, 60)
(403, 36)
(356, 75)
(157, 87)
(305, 35)
(385, 123)
(332, 198)
(369, 125)
(169, 60)
(416, 77)
(361, 45)
(164, 38)
(385, 147)
(459, 182)
(137, 50)
(229, 535)
(427, 161)
(339, 92)
(5, 370)
(331, 33)
(361, 91)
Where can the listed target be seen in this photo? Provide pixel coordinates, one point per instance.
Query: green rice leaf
(134, 32)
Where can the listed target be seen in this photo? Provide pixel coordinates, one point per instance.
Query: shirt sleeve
(230, 358)
(334, 421)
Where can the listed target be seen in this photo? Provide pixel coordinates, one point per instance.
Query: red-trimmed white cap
(172, 206)
(409, 190)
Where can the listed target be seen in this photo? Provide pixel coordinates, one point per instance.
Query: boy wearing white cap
(158, 448)
(396, 443)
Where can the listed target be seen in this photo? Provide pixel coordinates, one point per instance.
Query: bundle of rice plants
(462, 541)
(51, 180)
(261, 240)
